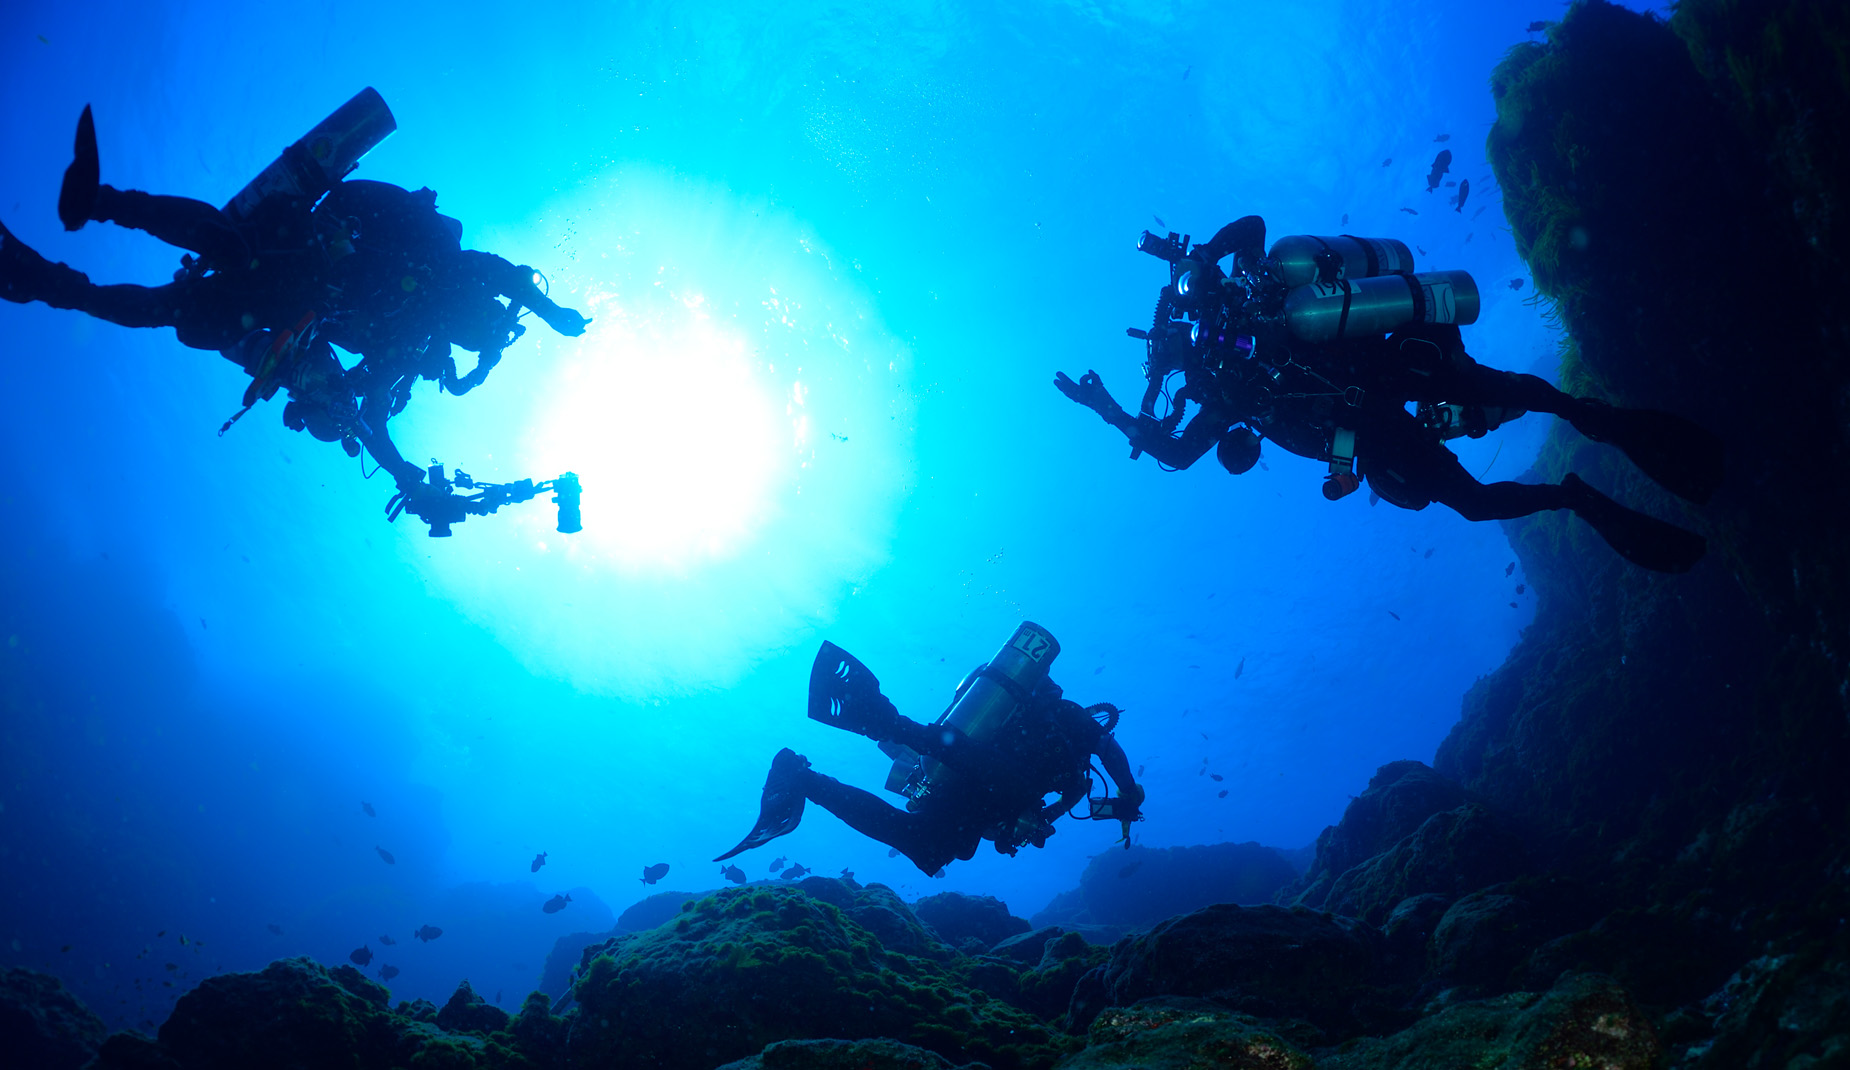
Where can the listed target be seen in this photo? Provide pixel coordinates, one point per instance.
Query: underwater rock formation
(1125, 891)
(1398, 800)
(959, 918)
(42, 1025)
(875, 1054)
(746, 967)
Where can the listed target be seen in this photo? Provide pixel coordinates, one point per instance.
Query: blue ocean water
(835, 255)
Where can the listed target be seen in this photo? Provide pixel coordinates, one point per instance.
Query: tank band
(1342, 322)
(1419, 298)
(1007, 683)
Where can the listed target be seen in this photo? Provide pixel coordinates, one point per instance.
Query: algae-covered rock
(1047, 988)
(1169, 1033)
(1451, 853)
(877, 1054)
(958, 917)
(1398, 800)
(1584, 1021)
(467, 1012)
(42, 1025)
(1267, 961)
(751, 966)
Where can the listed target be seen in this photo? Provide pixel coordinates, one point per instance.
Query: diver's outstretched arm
(515, 282)
(373, 435)
(1145, 434)
(1118, 768)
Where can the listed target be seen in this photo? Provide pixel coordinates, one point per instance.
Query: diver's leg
(913, 835)
(180, 221)
(780, 806)
(1643, 540)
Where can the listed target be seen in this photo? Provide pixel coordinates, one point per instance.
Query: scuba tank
(986, 701)
(1371, 306)
(1302, 259)
(310, 167)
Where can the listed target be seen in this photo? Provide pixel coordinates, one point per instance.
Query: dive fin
(77, 197)
(780, 808)
(843, 693)
(1678, 454)
(1643, 540)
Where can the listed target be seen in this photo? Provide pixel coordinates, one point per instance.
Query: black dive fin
(780, 808)
(1678, 454)
(843, 693)
(1643, 540)
(77, 197)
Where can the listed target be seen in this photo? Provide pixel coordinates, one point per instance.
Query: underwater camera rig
(438, 503)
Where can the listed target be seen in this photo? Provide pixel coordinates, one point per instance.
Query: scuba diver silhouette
(303, 260)
(1321, 344)
(980, 772)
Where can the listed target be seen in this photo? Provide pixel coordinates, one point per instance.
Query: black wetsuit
(1046, 748)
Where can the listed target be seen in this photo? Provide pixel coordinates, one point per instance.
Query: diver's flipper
(1643, 540)
(27, 276)
(77, 197)
(780, 808)
(844, 693)
(1678, 454)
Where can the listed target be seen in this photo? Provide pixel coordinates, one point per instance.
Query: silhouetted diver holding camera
(1321, 344)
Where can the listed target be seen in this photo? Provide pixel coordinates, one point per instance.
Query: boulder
(1266, 961)
(1585, 1020)
(958, 917)
(877, 1054)
(1451, 853)
(1128, 891)
(1398, 800)
(42, 1025)
(1170, 1033)
(1047, 988)
(652, 911)
(467, 1012)
(748, 967)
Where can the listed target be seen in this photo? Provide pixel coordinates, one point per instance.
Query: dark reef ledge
(1631, 852)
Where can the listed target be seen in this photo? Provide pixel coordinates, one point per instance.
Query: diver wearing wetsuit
(995, 788)
(1256, 381)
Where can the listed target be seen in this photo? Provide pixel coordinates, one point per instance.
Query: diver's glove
(844, 693)
(566, 321)
(1088, 391)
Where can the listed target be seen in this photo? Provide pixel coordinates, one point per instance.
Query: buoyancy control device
(988, 699)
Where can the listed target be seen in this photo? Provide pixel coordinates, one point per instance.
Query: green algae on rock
(747, 967)
(1169, 1033)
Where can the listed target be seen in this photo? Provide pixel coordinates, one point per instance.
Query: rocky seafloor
(1632, 851)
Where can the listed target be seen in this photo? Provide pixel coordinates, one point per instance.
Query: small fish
(1203, 770)
(1513, 605)
(202, 622)
(1239, 669)
(387, 941)
(385, 854)
(538, 861)
(1345, 219)
(794, 872)
(556, 904)
(1098, 670)
(1216, 777)
(1537, 26)
(1521, 587)
(1263, 467)
(1409, 211)
(1393, 614)
(1509, 568)
(1480, 211)
(838, 438)
(892, 852)
(1222, 795)
(1130, 869)
(160, 934)
(779, 863)
(651, 874)
(847, 874)
(1427, 556)
(497, 995)
(361, 955)
(1140, 770)
(1159, 221)
(368, 808)
(275, 929)
(1185, 70)
(66, 947)
(386, 973)
(1516, 284)
(1422, 252)
(733, 874)
(1388, 162)
(428, 933)
(1440, 165)
(1442, 137)
(1469, 236)
(42, 40)
(1452, 184)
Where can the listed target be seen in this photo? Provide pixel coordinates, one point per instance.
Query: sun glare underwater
(832, 258)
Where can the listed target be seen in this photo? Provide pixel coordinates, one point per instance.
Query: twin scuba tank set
(1315, 290)
(305, 172)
